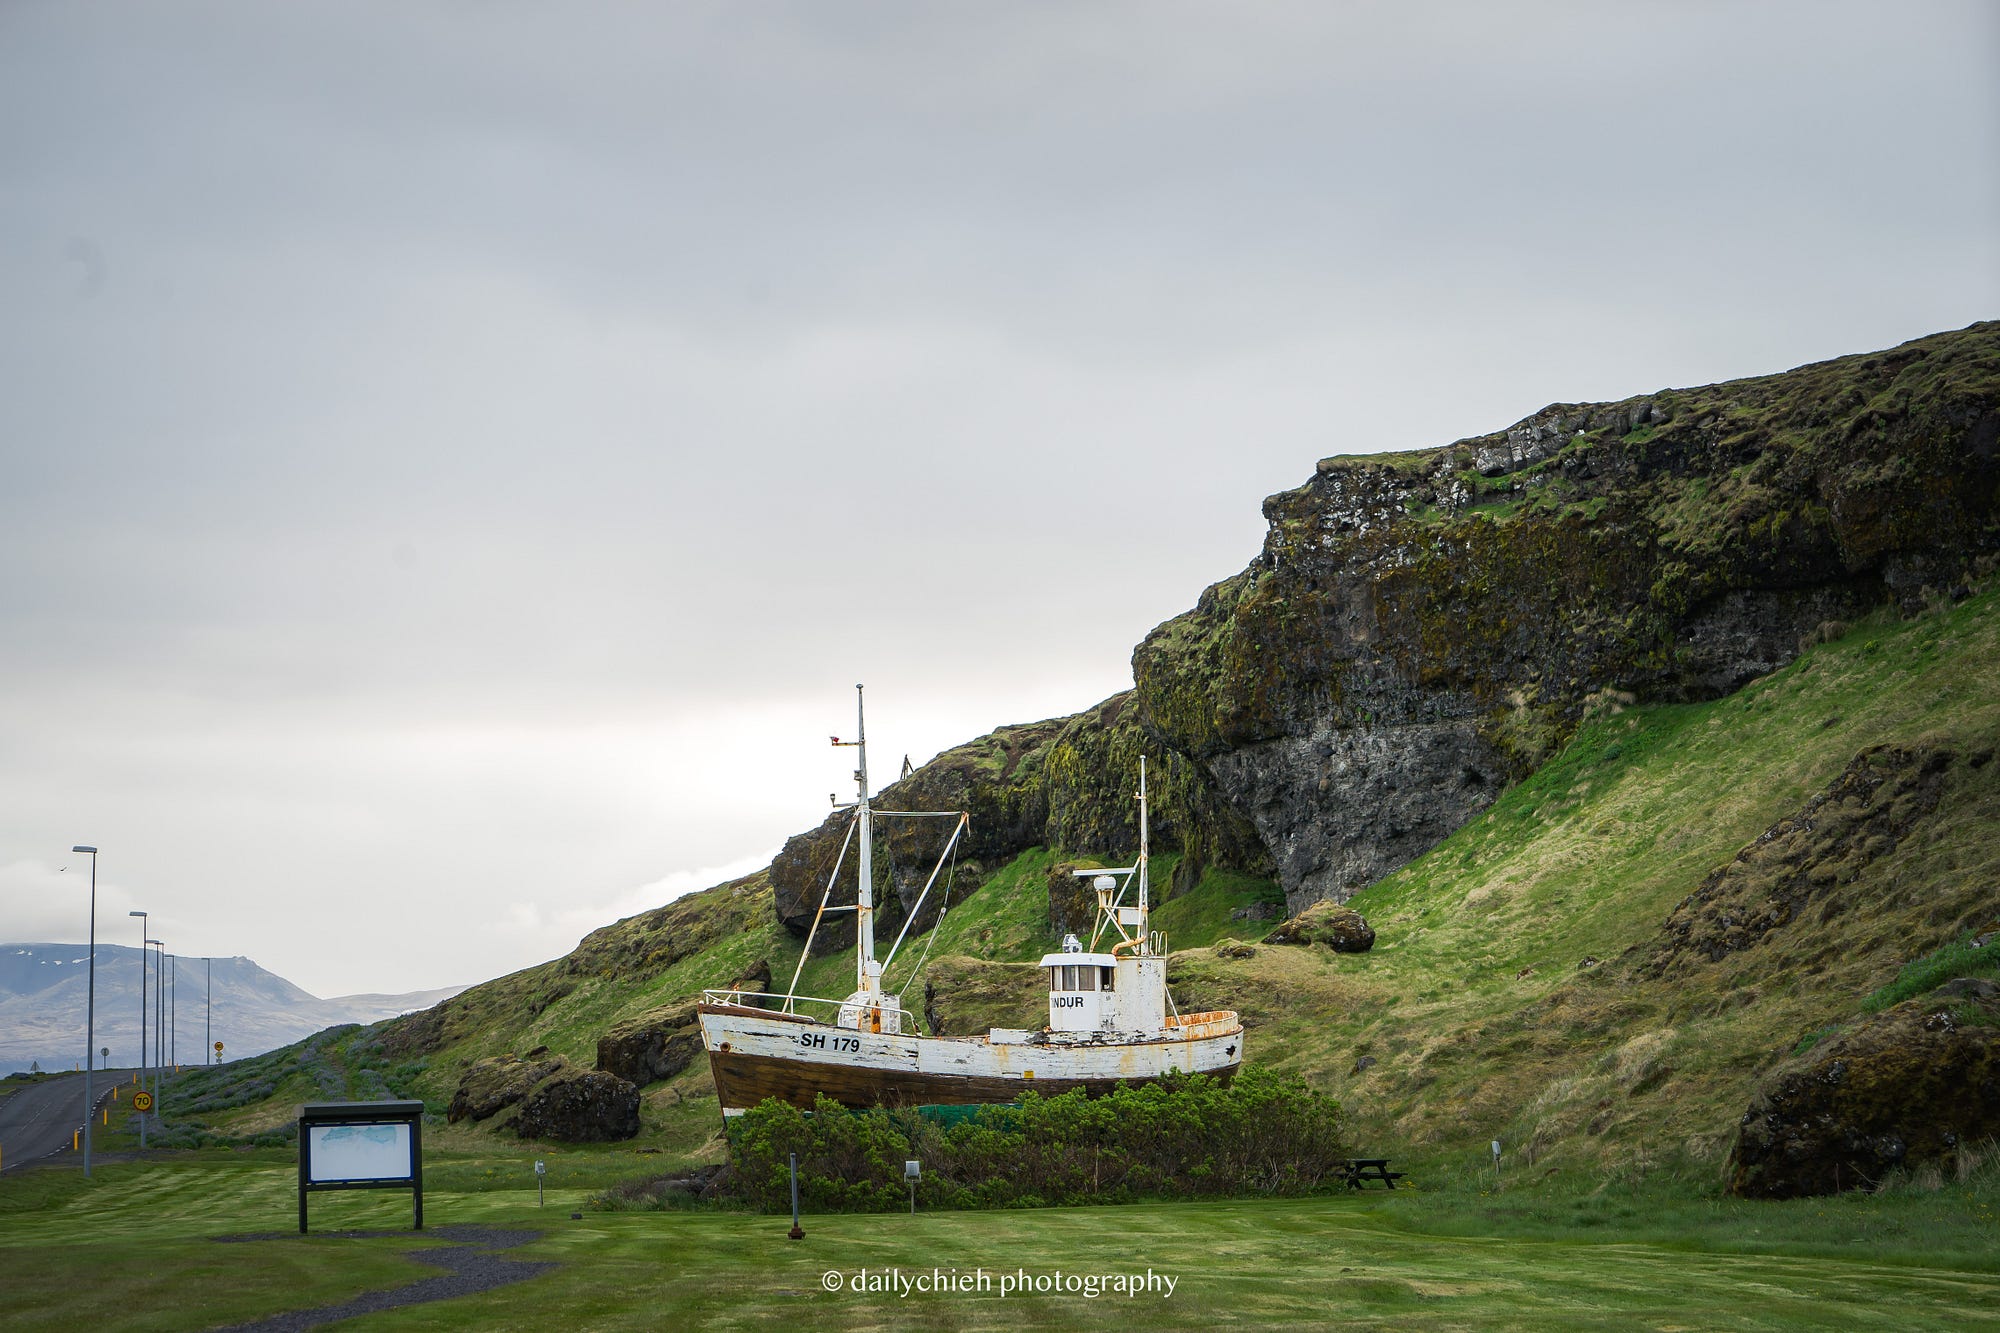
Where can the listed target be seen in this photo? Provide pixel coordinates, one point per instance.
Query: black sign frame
(323, 1115)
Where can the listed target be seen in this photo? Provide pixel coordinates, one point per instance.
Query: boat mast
(864, 900)
(1143, 907)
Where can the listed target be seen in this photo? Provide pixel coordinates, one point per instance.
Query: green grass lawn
(135, 1248)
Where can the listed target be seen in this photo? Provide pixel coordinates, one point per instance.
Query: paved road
(37, 1121)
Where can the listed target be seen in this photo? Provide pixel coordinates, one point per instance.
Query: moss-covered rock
(1808, 857)
(1912, 1086)
(651, 942)
(1068, 783)
(492, 1085)
(580, 1106)
(656, 1045)
(1423, 629)
(1341, 929)
(1072, 902)
(996, 777)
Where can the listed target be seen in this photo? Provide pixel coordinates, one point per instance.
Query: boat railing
(785, 1006)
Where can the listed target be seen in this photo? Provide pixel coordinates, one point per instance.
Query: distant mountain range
(43, 1001)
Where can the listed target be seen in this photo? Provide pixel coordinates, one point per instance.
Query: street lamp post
(90, 1011)
(173, 1060)
(208, 1016)
(144, 980)
(159, 1026)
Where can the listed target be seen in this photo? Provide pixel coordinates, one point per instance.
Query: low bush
(1187, 1137)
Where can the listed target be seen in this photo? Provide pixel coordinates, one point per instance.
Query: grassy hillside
(1526, 985)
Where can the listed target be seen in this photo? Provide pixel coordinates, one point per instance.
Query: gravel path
(474, 1264)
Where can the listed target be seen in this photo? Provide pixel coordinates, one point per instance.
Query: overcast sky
(458, 458)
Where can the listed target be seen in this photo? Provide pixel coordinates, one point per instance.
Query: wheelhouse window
(1078, 976)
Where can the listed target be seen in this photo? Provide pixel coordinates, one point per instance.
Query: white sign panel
(358, 1152)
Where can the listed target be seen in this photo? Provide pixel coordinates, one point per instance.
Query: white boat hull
(756, 1054)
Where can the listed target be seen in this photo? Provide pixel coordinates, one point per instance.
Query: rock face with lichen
(1910, 1087)
(1069, 782)
(1424, 628)
(1072, 902)
(580, 1106)
(655, 1045)
(492, 1085)
(557, 1099)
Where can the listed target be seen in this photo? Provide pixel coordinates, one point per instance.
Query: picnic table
(1360, 1170)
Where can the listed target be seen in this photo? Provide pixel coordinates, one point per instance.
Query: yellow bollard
(75, 1136)
(107, 1115)
(114, 1092)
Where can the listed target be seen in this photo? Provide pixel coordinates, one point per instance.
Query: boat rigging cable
(937, 927)
(949, 847)
(791, 991)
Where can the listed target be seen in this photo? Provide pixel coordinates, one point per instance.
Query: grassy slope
(1477, 1005)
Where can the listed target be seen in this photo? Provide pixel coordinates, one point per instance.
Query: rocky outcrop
(492, 1085)
(1068, 783)
(754, 981)
(1072, 902)
(1906, 1088)
(1424, 628)
(1807, 858)
(580, 1106)
(655, 1045)
(1341, 929)
(557, 1099)
(997, 778)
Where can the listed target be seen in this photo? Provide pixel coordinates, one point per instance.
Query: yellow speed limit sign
(142, 1101)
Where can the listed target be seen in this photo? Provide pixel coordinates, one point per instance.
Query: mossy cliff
(1422, 629)
(1068, 783)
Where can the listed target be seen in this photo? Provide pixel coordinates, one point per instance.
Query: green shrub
(1185, 1137)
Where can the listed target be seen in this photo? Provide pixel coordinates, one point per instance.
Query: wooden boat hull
(755, 1056)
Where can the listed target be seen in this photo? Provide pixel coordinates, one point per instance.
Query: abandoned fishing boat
(1110, 1017)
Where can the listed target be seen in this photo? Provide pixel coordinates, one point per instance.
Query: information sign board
(360, 1146)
